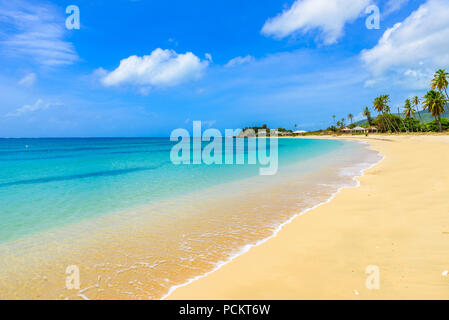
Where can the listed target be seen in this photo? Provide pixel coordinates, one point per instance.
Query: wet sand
(396, 221)
(142, 253)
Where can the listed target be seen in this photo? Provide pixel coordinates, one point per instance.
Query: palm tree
(381, 106)
(333, 116)
(416, 102)
(435, 103)
(367, 114)
(409, 111)
(296, 126)
(440, 81)
(378, 105)
(343, 122)
(385, 98)
(381, 103)
(350, 117)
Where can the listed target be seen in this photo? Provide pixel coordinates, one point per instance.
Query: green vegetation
(435, 103)
(440, 82)
(434, 125)
(423, 116)
(387, 123)
(411, 125)
(409, 111)
(283, 130)
(429, 113)
(367, 114)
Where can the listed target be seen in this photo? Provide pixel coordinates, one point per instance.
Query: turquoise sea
(45, 183)
(138, 225)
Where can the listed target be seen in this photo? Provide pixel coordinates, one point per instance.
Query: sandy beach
(397, 221)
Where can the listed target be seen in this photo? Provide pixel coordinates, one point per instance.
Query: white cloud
(328, 16)
(35, 31)
(28, 80)
(26, 109)
(209, 57)
(39, 105)
(394, 5)
(239, 60)
(413, 47)
(162, 68)
(100, 73)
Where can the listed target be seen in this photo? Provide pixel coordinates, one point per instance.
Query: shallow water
(135, 224)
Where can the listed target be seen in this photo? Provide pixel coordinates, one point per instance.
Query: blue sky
(145, 68)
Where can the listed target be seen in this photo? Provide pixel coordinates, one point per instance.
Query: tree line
(435, 101)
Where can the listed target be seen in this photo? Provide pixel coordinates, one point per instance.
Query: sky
(141, 68)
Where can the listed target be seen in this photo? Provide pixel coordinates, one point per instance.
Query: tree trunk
(391, 125)
(385, 123)
(439, 122)
(422, 123)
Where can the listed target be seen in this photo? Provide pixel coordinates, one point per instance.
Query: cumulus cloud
(414, 46)
(28, 80)
(239, 60)
(36, 31)
(162, 68)
(327, 16)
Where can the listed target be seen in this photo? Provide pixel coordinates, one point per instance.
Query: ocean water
(45, 183)
(138, 225)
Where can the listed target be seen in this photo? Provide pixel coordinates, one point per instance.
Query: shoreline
(113, 265)
(245, 249)
(246, 280)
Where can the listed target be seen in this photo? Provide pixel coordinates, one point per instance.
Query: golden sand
(397, 220)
